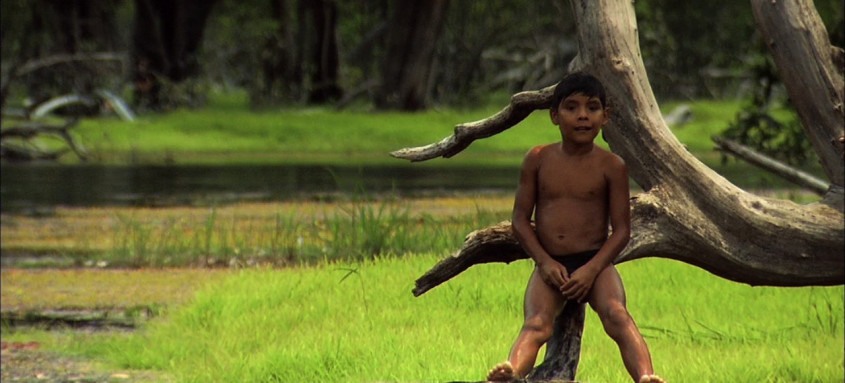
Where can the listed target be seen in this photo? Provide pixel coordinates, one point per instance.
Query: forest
(405, 55)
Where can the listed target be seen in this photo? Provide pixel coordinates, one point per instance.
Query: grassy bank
(357, 322)
(226, 131)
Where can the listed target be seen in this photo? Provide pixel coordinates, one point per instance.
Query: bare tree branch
(34, 65)
(796, 176)
(521, 105)
(29, 130)
(494, 243)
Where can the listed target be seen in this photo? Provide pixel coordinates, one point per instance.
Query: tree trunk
(563, 351)
(798, 42)
(412, 37)
(279, 77)
(166, 38)
(325, 56)
(687, 212)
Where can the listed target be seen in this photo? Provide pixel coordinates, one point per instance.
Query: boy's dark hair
(579, 82)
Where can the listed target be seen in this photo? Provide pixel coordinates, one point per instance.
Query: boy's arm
(523, 208)
(579, 285)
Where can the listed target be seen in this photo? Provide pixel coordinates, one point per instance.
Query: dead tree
(686, 211)
(22, 133)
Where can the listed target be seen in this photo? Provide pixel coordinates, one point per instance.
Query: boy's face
(579, 117)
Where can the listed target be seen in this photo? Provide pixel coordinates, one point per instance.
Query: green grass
(358, 322)
(228, 131)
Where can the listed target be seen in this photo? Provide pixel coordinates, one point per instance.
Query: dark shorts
(574, 261)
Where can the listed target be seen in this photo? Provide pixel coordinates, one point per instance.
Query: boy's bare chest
(571, 181)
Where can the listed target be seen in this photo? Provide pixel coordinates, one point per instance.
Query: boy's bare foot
(651, 379)
(502, 372)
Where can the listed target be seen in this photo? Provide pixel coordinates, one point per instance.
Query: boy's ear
(553, 115)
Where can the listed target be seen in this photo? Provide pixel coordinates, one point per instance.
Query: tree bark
(412, 37)
(563, 350)
(688, 212)
(799, 44)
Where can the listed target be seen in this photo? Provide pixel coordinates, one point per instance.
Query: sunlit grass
(358, 322)
(227, 130)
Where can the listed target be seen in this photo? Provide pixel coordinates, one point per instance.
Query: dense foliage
(507, 45)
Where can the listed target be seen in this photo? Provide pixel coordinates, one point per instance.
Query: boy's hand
(554, 274)
(578, 286)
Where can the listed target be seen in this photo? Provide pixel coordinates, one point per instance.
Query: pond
(33, 187)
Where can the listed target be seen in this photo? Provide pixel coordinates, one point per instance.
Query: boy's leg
(542, 304)
(607, 298)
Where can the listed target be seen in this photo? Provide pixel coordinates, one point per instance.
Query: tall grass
(357, 230)
(358, 322)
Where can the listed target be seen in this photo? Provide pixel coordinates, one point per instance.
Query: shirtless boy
(574, 188)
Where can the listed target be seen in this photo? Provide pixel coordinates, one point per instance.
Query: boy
(573, 188)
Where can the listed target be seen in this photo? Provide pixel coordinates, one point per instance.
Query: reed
(356, 230)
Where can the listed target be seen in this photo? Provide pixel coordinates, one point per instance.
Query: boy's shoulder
(611, 162)
(535, 152)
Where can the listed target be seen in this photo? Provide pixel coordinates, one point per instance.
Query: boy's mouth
(583, 128)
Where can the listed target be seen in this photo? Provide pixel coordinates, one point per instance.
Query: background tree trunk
(412, 36)
(165, 41)
(325, 57)
(279, 76)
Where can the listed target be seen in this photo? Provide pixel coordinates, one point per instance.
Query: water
(34, 187)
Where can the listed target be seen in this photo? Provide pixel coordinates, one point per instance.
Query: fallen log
(494, 243)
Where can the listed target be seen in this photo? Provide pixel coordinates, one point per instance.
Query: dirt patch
(27, 362)
(86, 300)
